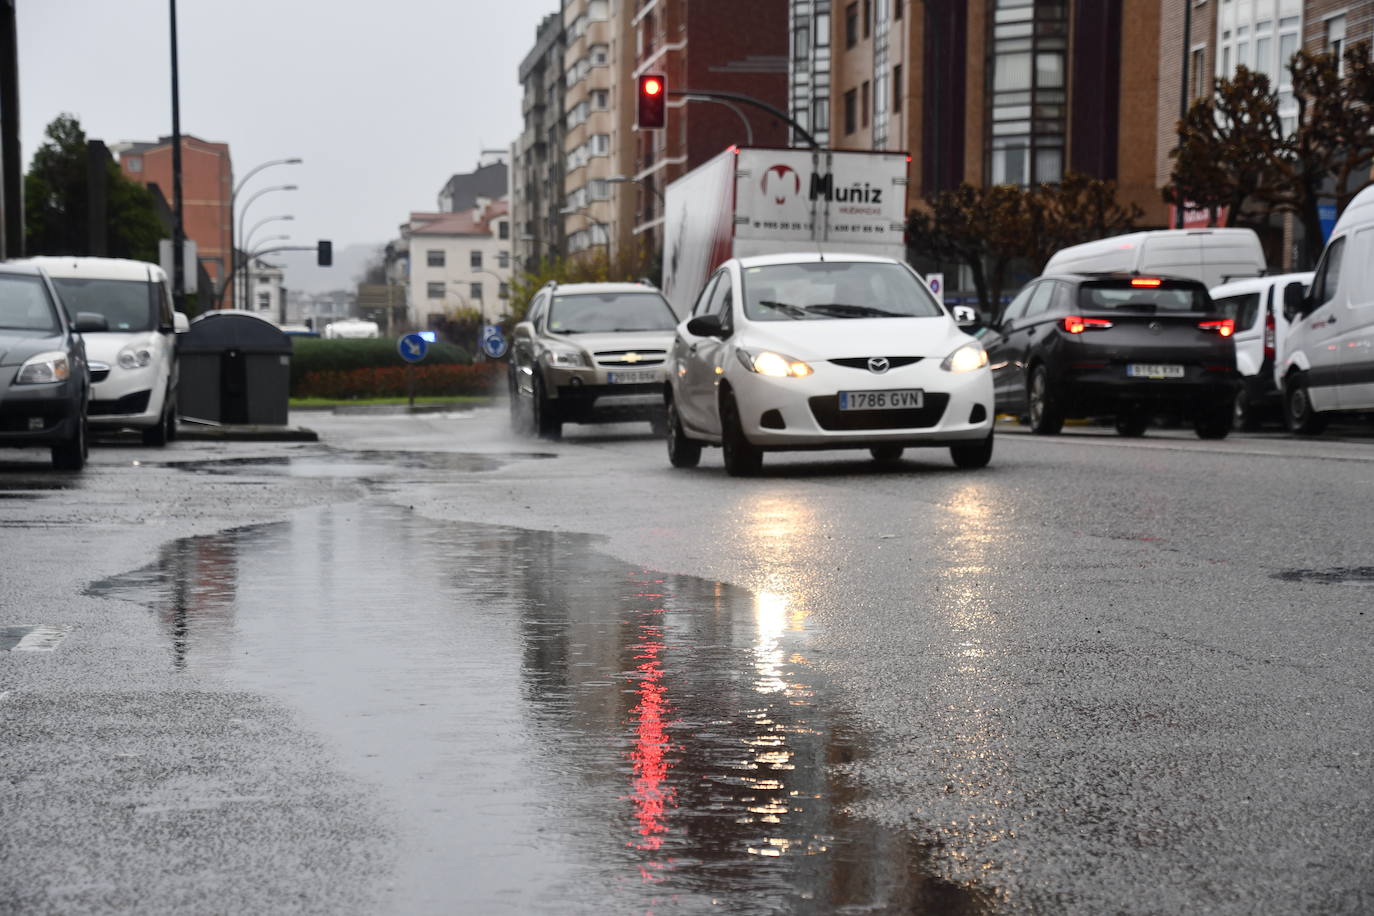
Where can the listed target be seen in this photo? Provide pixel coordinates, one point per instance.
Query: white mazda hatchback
(824, 351)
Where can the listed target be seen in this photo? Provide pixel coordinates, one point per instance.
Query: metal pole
(1183, 94)
(178, 226)
(11, 166)
(748, 129)
(749, 100)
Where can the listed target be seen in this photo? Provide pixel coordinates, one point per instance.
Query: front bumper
(126, 397)
(804, 413)
(32, 416)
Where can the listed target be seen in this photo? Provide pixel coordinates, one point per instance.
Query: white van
(1328, 363)
(1256, 304)
(1211, 256)
(348, 328)
(133, 363)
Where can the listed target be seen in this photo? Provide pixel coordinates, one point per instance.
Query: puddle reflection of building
(199, 583)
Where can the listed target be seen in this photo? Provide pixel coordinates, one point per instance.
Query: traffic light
(324, 254)
(653, 93)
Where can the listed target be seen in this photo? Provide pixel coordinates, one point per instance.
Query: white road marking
(41, 639)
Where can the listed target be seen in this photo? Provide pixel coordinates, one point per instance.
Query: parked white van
(1211, 256)
(1328, 363)
(134, 363)
(351, 328)
(1256, 304)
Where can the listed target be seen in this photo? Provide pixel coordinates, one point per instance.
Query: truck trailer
(770, 201)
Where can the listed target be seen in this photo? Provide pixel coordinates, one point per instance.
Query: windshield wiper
(853, 311)
(787, 308)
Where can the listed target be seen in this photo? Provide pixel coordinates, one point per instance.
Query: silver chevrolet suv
(590, 353)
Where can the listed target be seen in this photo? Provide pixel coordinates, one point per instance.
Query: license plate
(891, 399)
(1153, 370)
(635, 377)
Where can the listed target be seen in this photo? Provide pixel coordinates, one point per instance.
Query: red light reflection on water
(652, 796)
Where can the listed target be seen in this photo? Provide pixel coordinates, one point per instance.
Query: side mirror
(967, 317)
(524, 329)
(90, 321)
(705, 326)
(1294, 301)
(180, 323)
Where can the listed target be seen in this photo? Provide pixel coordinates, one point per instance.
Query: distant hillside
(303, 274)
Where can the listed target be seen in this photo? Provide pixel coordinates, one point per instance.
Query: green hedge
(395, 381)
(316, 354)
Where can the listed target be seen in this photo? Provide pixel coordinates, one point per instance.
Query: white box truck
(769, 201)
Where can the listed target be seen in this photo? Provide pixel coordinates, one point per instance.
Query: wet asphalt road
(425, 667)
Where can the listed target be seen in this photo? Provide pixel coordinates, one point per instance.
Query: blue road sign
(412, 348)
(493, 343)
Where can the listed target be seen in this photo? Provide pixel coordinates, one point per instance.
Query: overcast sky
(383, 101)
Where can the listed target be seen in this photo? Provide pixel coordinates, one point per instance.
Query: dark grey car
(45, 383)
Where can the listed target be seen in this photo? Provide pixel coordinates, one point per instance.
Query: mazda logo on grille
(877, 364)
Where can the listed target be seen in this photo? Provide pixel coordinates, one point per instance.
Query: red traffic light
(652, 97)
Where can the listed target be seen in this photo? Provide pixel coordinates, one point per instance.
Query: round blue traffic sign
(412, 348)
(493, 343)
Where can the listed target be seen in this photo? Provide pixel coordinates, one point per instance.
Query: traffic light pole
(247, 258)
(748, 100)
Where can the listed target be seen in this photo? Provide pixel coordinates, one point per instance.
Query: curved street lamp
(248, 239)
(243, 212)
(234, 238)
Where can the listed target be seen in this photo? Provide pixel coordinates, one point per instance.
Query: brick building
(207, 187)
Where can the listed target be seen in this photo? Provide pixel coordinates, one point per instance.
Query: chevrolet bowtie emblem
(631, 357)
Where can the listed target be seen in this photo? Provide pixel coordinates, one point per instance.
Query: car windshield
(835, 289)
(1168, 296)
(600, 313)
(125, 304)
(25, 306)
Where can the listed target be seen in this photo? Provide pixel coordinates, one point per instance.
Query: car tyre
(1214, 423)
(71, 455)
(547, 423)
(658, 422)
(1243, 415)
(1132, 424)
(1046, 417)
(165, 430)
(682, 451)
(1302, 420)
(742, 457)
(973, 456)
(886, 454)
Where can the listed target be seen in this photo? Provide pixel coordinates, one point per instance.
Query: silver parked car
(590, 353)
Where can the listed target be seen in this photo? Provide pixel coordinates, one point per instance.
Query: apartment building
(707, 45)
(1000, 91)
(207, 187)
(1261, 35)
(537, 154)
(458, 261)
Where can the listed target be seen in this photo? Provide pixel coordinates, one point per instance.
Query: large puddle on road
(556, 731)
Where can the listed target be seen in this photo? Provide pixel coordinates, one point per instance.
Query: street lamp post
(248, 238)
(243, 213)
(234, 239)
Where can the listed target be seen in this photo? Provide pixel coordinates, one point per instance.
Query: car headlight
(773, 365)
(134, 356)
(966, 359)
(565, 359)
(43, 369)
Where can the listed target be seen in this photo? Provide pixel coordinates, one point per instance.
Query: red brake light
(1076, 325)
(1151, 282)
(1226, 327)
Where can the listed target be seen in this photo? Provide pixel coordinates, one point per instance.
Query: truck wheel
(1045, 416)
(742, 457)
(682, 452)
(547, 422)
(71, 455)
(1302, 420)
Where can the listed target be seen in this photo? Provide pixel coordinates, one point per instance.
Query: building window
(475, 290)
(822, 30)
(1200, 80)
(820, 113)
(434, 257)
(1275, 40)
(868, 18)
(434, 290)
(863, 105)
(264, 301)
(601, 99)
(475, 259)
(135, 163)
(897, 88)
(850, 112)
(897, 11)
(851, 25)
(1027, 99)
(1335, 40)
(503, 230)
(801, 44)
(503, 259)
(503, 291)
